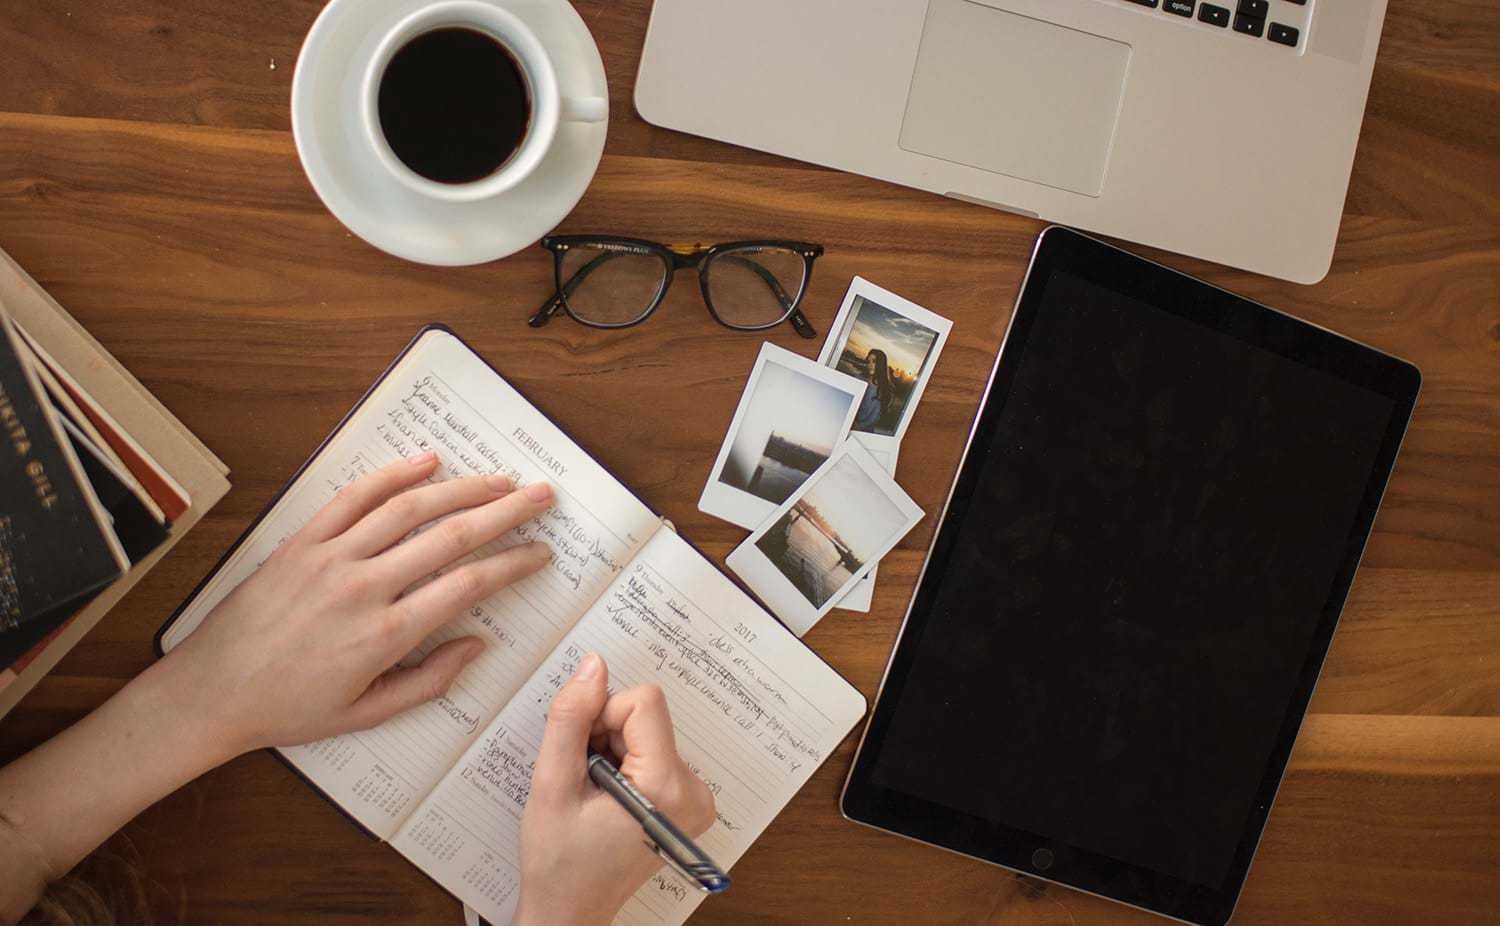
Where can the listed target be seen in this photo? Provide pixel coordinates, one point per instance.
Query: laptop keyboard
(1281, 22)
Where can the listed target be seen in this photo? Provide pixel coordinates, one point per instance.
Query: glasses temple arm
(795, 317)
(801, 325)
(545, 313)
(550, 307)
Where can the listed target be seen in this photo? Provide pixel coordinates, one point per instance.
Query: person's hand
(308, 646)
(582, 855)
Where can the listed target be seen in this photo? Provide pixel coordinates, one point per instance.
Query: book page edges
(104, 378)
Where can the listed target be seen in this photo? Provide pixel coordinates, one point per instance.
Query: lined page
(755, 713)
(442, 397)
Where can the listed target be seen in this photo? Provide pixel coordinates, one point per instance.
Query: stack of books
(97, 482)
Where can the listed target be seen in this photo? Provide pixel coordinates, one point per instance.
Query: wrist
(529, 915)
(65, 797)
(562, 901)
(194, 716)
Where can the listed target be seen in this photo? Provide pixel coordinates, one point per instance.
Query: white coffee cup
(549, 107)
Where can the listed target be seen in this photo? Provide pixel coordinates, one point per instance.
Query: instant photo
(825, 538)
(862, 594)
(792, 415)
(891, 346)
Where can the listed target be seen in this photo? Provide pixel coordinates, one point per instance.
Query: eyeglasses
(607, 282)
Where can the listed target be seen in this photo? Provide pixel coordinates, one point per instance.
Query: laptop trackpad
(1015, 95)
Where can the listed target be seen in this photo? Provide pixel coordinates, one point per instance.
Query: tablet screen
(1160, 515)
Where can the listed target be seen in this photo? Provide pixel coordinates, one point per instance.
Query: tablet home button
(1041, 859)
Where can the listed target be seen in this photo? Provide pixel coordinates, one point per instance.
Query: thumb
(562, 762)
(402, 688)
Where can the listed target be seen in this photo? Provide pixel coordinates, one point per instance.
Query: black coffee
(453, 105)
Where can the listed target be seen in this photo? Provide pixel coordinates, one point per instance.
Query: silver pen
(662, 835)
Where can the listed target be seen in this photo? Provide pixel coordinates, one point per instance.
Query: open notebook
(445, 783)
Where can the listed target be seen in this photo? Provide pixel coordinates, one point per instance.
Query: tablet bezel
(1061, 249)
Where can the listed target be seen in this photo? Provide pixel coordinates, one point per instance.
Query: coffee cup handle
(585, 109)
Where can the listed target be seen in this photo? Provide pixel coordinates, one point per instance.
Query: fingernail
(588, 668)
(498, 482)
(426, 456)
(539, 492)
(474, 650)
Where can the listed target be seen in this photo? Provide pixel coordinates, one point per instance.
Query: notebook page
(755, 712)
(443, 397)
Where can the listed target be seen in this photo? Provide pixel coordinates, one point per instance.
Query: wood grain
(148, 179)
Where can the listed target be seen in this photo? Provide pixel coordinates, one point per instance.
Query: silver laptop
(1221, 130)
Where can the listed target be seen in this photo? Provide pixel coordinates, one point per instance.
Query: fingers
(462, 534)
(404, 688)
(440, 600)
(358, 499)
(638, 727)
(562, 763)
(638, 719)
(406, 511)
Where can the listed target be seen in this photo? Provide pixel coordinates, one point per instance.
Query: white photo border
(862, 594)
(773, 588)
(743, 508)
(833, 347)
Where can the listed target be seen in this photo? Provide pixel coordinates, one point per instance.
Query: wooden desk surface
(148, 179)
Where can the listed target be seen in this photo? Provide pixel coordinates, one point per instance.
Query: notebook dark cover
(56, 548)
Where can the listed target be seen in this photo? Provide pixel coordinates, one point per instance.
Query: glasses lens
(611, 284)
(753, 287)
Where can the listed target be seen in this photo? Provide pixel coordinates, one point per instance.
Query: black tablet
(1133, 584)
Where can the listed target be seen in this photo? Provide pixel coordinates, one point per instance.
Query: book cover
(138, 528)
(56, 545)
(20, 646)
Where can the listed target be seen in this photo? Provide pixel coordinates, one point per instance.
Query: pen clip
(676, 866)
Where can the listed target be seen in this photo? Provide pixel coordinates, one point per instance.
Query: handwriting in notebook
(708, 667)
(754, 712)
(428, 417)
(502, 768)
(743, 730)
(519, 624)
(430, 406)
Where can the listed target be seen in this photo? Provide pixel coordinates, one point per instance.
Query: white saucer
(359, 190)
